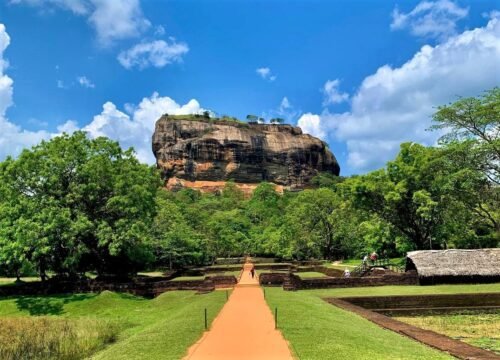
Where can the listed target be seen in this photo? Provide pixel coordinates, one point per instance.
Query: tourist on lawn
(373, 257)
(347, 273)
(365, 261)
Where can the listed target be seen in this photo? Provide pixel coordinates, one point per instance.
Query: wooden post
(206, 320)
(275, 318)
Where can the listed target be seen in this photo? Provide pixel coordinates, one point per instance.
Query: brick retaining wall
(405, 304)
(222, 281)
(296, 283)
(272, 279)
(279, 266)
(139, 288)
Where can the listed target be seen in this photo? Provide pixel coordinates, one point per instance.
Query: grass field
(480, 329)
(10, 280)
(188, 278)
(46, 337)
(404, 290)
(316, 329)
(152, 273)
(266, 271)
(310, 275)
(163, 328)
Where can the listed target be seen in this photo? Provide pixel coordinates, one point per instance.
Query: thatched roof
(456, 262)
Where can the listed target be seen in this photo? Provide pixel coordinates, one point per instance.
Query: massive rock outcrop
(196, 149)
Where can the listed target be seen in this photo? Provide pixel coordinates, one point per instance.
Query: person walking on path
(252, 271)
(228, 336)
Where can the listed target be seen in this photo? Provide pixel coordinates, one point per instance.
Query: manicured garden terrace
(316, 329)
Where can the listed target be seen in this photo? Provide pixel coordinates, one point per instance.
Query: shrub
(41, 338)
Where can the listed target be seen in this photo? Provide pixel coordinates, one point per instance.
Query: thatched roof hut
(455, 265)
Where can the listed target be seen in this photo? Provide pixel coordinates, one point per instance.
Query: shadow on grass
(48, 305)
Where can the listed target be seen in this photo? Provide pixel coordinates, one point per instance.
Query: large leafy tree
(471, 149)
(403, 195)
(175, 242)
(80, 205)
(309, 224)
(475, 121)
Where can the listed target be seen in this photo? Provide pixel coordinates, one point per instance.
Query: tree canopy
(72, 205)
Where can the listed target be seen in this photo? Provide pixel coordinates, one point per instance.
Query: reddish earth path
(244, 329)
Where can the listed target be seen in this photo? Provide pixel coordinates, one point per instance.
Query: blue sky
(362, 75)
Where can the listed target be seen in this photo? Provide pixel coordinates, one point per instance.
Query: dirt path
(243, 330)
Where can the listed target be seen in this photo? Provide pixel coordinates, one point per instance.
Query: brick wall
(146, 289)
(408, 278)
(279, 266)
(426, 301)
(272, 279)
(222, 281)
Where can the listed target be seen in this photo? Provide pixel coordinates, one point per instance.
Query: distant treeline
(73, 205)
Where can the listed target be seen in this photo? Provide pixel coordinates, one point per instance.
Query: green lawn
(477, 328)
(266, 271)
(404, 290)
(316, 329)
(10, 280)
(188, 278)
(310, 275)
(163, 328)
(152, 273)
(225, 266)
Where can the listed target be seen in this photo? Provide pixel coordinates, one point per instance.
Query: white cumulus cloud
(111, 19)
(78, 7)
(12, 138)
(266, 73)
(117, 19)
(436, 19)
(311, 124)
(158, 53)
(332, 93)
(135, 128)
(85, 82)
(395, 104)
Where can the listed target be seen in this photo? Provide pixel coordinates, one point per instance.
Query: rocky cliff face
(199, 149)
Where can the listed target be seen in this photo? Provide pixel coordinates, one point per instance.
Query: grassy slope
(316, 329)
(164, 327)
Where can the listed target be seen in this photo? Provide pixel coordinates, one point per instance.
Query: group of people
(373, 258)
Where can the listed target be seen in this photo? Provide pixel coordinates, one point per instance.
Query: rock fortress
(204, 153)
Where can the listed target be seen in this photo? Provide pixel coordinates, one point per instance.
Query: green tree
(475, 120)
(175, 243)
(81, 205)
(309, 225)
(403, 195)
(471, 155)
(252, 118)
(228, 233)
